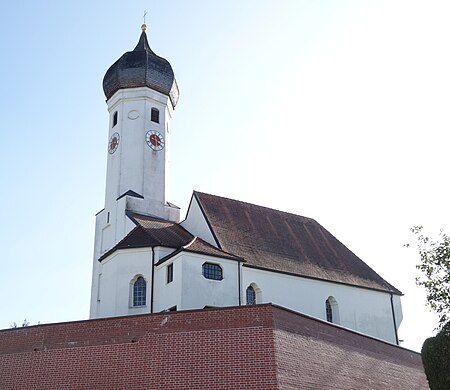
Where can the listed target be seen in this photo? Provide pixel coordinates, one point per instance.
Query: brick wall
(330, 357)
(211, 349)
(251, 347)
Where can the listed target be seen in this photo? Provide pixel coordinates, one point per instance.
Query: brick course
(249, 347)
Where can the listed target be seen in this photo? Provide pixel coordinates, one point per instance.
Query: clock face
(113, 143)
(155, 140)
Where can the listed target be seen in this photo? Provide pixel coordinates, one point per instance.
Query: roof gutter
(393, 318)
(152, 288)
(239, 283)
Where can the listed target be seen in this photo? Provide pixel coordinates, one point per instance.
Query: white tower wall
(135, 167)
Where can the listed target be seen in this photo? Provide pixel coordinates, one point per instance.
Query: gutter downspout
(239, 282)
(393, 317)
(153, 280)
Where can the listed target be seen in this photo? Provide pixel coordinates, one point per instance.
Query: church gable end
(197, 222)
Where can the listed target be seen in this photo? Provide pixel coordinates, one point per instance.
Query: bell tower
(141, 94)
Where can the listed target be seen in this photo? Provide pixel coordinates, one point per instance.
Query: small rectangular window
(155, 115)
(115, 119)
(170, 273)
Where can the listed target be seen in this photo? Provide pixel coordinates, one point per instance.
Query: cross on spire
(144, 26)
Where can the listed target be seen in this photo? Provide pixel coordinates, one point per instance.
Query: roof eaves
(390, 291)
(173, 205)
(228, 257)
(131, 193)
(134, 230)
(169, 256)
(186, 247)
(131, 214)
(115, 247)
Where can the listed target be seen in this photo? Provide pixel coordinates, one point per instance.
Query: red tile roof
(280, 241)
(197, 245)
(151, 231)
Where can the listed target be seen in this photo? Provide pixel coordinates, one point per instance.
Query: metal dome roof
(141, 68)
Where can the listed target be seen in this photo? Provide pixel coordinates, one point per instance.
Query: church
(225, 252)
(234, 296)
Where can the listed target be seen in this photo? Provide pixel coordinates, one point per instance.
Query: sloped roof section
(280, 241)
(160, 232)
(197, 245)
(151, 232)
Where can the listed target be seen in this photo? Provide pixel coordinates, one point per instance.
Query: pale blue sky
(333, 110)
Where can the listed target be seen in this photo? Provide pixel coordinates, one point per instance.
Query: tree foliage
(435, 272)
(436, 359)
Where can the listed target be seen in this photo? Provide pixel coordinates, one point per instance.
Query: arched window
(139, 292)
(332, 310)
(115, 118)
(155, 115)
(329, 310)
(251, 296)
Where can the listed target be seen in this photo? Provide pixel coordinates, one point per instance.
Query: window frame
(115, 118)
(169, 273)
(251, 288)
(154, 111)
(332, 310)
(209, 271)
(329, 311)
(141, 300)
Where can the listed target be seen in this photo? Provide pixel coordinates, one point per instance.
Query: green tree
(434, 276)
(436, 359)
(434, 270)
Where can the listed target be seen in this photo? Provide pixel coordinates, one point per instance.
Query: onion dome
(141, 68)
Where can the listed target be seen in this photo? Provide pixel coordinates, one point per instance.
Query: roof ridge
(196, 238)
(189, 243)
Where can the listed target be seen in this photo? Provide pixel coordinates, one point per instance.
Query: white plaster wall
(108, 234)
(134, 165)
(366, 311)
(117, 271)
(198, 292)
(196, 224)
(161, 252)
(167, 131)
(99, 224)
(397, 309)
(168, 295)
